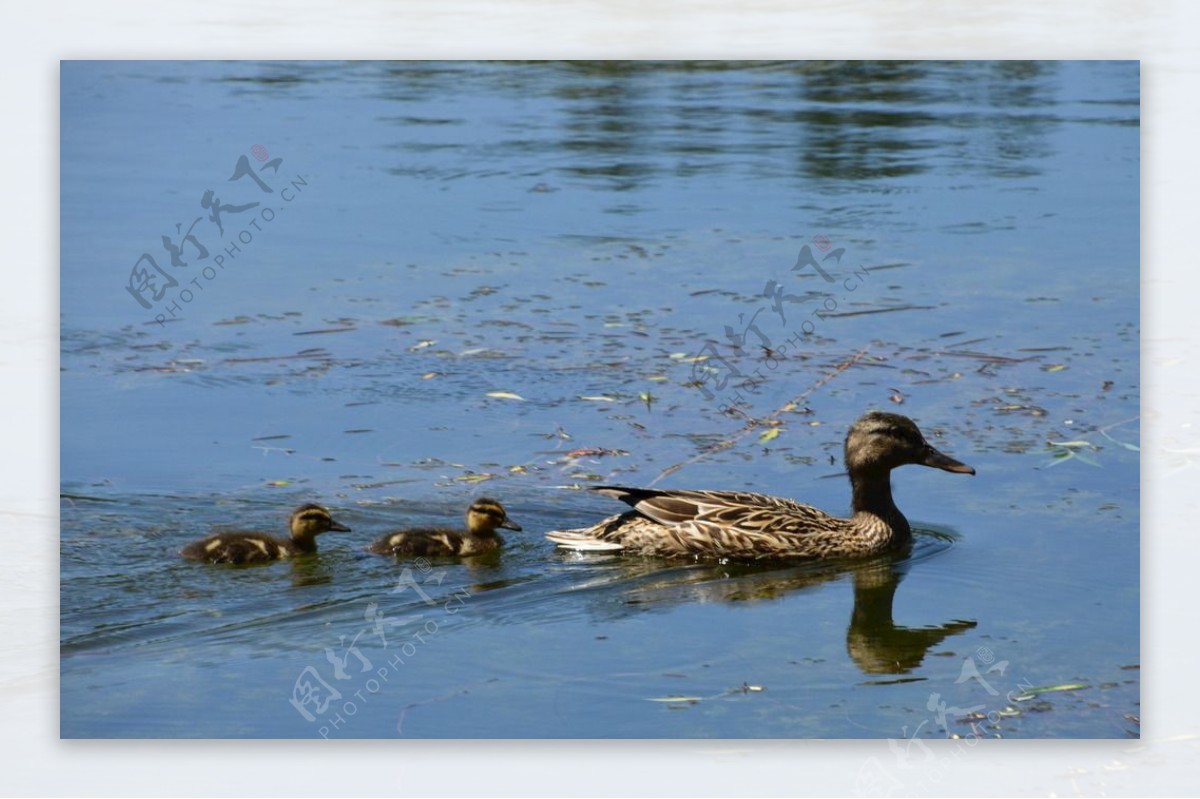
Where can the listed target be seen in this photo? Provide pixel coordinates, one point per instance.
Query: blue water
(575, 235)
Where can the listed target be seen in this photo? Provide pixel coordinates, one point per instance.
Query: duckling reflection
(875, 643)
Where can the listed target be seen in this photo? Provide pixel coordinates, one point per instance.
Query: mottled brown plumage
(483, 517)
(307, 522)
(742, 525)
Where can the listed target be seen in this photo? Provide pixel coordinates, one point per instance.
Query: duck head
(485, 515)
(310, 520)
(879, 442)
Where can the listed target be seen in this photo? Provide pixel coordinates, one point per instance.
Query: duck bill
(939, 460)
(509, 524)
(338, 527)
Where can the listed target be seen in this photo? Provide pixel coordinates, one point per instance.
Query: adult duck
(744, 526)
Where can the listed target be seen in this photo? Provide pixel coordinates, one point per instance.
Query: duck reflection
(874, 641)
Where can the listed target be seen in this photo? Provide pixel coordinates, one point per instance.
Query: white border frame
(37, 36)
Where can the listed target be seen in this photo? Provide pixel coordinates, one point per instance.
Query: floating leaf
(279, 483)
(769, 435)
(505, 395)
(599, 398)
(429, 375)
(692, 699)
(1033, 410)
(474, 478)
(646, 397)
(1054, 367)
(1030, 693)
(595, 452)
(422, 344)
(1072, 449)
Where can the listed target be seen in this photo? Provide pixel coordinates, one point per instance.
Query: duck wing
(709, 510)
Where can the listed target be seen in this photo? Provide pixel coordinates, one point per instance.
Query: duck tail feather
(631, 496)
(575, 539)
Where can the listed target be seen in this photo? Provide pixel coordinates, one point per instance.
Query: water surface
(500, 279)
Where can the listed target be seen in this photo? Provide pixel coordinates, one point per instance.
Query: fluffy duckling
(306, 523)
(741, 525)
(483, 517)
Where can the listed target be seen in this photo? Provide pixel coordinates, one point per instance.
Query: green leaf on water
(505, 395)
(769, 435)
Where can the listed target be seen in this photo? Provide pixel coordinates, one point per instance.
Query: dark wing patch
(667, 509)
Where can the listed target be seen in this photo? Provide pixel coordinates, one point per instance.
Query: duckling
(483, 517)
(307, 522)
(742, 525)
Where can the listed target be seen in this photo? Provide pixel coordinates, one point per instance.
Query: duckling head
(879, 442)
(310, 520)
(485, 515)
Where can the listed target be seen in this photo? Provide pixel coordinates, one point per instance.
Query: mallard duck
(483, 517)
(307, 522)
(741, 525)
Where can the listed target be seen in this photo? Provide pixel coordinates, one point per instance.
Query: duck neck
(480, 529)
(304, 542)
(872, 493)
